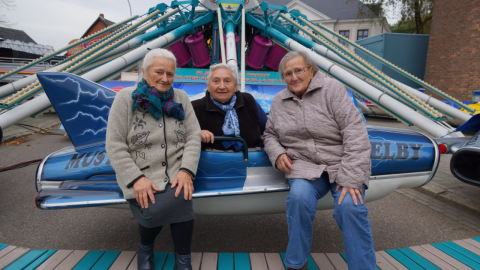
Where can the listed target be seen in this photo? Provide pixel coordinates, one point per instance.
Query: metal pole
(220, 30)
(130, 7)
(242, 48)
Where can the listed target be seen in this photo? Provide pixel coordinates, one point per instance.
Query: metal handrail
(24, 60)
(245, 147)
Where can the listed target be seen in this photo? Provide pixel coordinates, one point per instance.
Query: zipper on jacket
(166, 148)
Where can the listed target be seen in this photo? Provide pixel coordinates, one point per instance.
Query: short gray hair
(148, 59)
(225, 66)
(292, 54)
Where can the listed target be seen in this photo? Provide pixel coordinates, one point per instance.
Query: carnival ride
(246, 35)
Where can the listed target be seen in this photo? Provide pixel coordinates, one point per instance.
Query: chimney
(101, 15)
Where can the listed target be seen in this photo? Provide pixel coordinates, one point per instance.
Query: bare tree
(418, 12)
(6, 5)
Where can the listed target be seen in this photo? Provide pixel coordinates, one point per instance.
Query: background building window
(346, 34)
(362, 34)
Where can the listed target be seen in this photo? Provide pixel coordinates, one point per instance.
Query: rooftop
(14, 34)
(335, 9)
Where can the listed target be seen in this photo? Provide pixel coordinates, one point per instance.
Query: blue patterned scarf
(230, 126)
(157, 103)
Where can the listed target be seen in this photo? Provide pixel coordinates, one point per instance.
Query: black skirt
(167, 209)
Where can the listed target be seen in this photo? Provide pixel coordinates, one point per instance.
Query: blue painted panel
(89, 260)
(40, 260)
(26, 259)
(81, 105)
(399, 152)
(345, 258)
(407, 51)
(106, 260)
(242, 261)
(282, 255)
(215, 168)
(79, 164)
(169, 263)
(159, 259)
(374, 44)
(463, 251)
(311, 264)
(225, 261)
(418, 259)
(2, 246)
(457, 255)
(400, 257)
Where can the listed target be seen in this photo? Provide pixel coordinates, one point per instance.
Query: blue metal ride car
(227, 183)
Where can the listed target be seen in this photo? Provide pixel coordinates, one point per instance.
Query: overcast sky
(57, 22)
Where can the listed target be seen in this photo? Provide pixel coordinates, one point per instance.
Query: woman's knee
(301, 193)
(348, 207)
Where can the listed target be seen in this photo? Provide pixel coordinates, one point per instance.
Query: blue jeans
(352, 219)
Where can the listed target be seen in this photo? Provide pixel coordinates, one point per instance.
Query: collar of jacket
(214, 108)
(316, 83)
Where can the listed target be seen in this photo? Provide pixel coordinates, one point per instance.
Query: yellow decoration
(475, 106)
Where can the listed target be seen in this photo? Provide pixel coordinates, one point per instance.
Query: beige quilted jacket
(323, 131)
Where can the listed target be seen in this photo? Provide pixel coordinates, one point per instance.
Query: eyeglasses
(297, 71)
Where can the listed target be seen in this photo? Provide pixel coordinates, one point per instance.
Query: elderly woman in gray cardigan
(153, 142)
(316, 135)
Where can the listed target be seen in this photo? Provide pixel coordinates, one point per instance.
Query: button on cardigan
(139, 145)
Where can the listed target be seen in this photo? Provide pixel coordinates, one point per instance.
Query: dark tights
(181, 236)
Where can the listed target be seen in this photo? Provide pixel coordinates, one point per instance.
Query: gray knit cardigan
(139, 145)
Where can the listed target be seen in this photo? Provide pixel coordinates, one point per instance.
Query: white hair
(148, 59)
(292, 54)
(225, 66)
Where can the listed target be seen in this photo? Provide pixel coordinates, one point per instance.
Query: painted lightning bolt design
(100, 109)
(94, 95)
(87, 114)
(93, 131)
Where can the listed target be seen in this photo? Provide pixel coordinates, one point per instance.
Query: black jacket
(211, 118)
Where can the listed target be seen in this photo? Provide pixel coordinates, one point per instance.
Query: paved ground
(405, 218)
(30, 125)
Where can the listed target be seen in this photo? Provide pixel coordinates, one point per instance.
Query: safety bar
(226, 138)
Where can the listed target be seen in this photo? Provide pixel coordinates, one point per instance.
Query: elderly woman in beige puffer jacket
(316, 135)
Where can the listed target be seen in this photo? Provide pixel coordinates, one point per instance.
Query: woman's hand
(143, 189)
(206, 136)
(183, 180)
(353, 192)
(284, 163)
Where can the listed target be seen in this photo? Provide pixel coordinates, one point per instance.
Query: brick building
(453, 58)
(99, 24)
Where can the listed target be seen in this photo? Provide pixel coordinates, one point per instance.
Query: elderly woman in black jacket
(224, 111)
(153, 142)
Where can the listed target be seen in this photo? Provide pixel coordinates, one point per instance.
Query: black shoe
(183, 262)
(145, 257)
